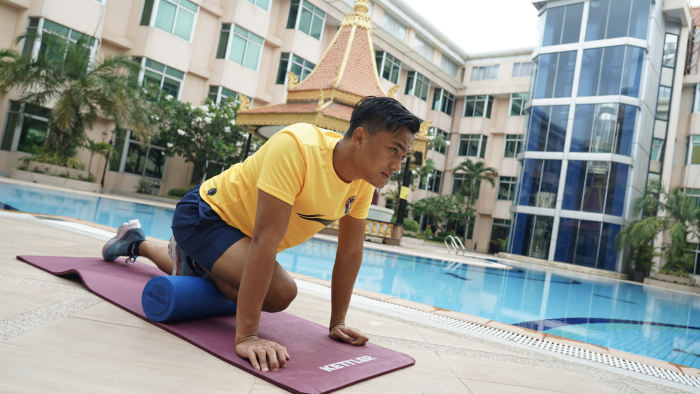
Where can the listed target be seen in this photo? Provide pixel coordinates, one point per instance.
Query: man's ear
(359, 136)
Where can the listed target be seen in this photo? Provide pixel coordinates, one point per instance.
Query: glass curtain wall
(603, 128)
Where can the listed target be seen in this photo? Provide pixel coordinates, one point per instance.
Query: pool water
(638, 319)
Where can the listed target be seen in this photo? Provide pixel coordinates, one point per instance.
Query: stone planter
(50, 169)
(55, 181)
(672, 286)
(673, 278)
(412, 241)
(380, 214)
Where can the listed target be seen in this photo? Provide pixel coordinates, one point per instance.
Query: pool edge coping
(537, 335)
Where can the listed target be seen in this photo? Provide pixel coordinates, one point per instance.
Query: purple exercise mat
(319, 364)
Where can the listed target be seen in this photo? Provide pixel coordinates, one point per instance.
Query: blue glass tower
(596, 129)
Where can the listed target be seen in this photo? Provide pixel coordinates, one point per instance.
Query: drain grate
(567, 350)
(16, 215)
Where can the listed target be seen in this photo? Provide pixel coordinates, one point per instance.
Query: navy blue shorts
(200, 232)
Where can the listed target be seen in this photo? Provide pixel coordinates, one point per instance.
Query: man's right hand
(259, 351)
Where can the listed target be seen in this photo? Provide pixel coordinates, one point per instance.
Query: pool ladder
(456, 244)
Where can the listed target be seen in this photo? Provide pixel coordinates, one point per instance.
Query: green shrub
(144, 186)
(438, 239)
(89, 178)
(428, 233)
(178, 192)
(411, 225)
(44, 154)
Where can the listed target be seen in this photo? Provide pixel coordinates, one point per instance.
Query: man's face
(381, 155)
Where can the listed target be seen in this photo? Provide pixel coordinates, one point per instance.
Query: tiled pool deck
(57, 337)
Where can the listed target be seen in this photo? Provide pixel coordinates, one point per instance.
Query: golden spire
(359, 17)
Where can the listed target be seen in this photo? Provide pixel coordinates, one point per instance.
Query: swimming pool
(638, 319)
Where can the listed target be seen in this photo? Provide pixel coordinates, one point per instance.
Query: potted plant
(643, 256)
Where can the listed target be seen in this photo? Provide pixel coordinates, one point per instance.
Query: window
(458, 182)
(499, 233)
(555, 75)
(617, 18)
(532, 235)
(472, 145)
(443, 101)
(242, 46)
(388, 66)
(477, 106)
(264, 4)
(522, 69)
(219, 94)
(506, 188)
(26, 127)
(693, 156)
(176, 17)
(448, 66)
(307, 18)
(547, 130)
(694, 195)
(539, 183)
(587, 243)
(696, 259)
(485, 72)
(611, 71)
(396, 28)
(417, 85)
(514, 145)
(422, 47)
(657, 149)
(563, 25)
(291, 62)
(517, 104)
(33, 44)
(595, 186)
(135, 159)
(445, 135)
(161, 77)
(432, 182)
(603, 128)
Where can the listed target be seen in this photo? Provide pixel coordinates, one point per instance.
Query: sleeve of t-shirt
(363, 201)
(283, 170)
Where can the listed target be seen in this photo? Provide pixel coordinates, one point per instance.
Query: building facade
(608, 113)
(214, 48)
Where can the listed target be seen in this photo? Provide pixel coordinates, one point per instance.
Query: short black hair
(381, 114)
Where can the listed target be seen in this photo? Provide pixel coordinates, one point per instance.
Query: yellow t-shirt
(296, 166)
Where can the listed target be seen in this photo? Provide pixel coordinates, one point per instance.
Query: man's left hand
(349, 335)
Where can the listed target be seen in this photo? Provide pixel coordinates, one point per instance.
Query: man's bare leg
(157, 254)
(228, 270)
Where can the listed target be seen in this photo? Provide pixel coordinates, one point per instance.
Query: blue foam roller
(169, 298)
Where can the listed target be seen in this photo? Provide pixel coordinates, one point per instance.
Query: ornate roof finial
(392, 91)
(245, 103)
(424, 128)
(293, 80)
(337, 77)
(359, 18)
(362, 6)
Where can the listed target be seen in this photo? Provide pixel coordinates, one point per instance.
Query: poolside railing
(373, 228)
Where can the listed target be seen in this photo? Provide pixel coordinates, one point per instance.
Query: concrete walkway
(57, 337)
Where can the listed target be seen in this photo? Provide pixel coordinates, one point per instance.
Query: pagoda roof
(346, 73)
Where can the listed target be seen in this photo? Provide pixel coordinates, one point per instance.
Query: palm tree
(62, 75)
(99, 148)
(474, 173)
(671, 211)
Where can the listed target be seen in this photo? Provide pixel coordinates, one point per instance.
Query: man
(303, 179)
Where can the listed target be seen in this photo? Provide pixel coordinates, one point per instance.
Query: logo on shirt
(348, 204)
(317, 218)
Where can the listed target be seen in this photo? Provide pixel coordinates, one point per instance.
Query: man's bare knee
(280, 296)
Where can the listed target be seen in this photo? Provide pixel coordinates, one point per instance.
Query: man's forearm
(345, 270)
(255, 282)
